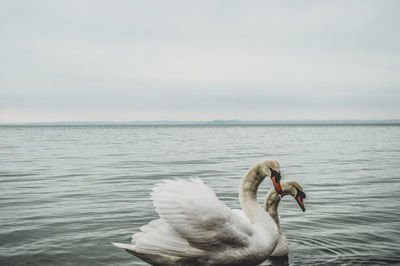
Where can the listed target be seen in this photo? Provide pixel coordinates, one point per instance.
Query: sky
(198, 60)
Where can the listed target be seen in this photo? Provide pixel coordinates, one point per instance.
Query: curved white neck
(248, 192)
(271, 206)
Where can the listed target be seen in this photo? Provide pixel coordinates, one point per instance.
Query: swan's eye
(301, 194)
(276, 174)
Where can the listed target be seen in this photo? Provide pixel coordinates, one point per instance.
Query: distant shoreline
(213, 123)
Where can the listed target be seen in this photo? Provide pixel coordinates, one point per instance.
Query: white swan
(195, 228)
(271, 206)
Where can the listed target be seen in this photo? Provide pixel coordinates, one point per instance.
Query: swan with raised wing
(196, 228)
(271, 206)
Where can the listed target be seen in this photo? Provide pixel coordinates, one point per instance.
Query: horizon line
(211, 122)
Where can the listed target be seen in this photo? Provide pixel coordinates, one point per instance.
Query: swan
(196, 228)
(271, 206)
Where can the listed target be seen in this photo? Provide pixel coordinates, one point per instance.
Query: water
(66, 192)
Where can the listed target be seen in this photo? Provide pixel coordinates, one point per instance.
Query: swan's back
(196, 228)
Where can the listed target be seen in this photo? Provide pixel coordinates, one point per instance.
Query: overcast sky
(199, 60)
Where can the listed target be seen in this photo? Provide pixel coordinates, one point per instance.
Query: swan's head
(272, 169)
(294, 189)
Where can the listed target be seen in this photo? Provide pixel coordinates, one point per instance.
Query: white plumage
(196, 228)
(193, 210)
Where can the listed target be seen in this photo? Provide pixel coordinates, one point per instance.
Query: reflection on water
(66, 192)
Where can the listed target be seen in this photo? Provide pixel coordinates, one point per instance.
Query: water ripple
(67, 192)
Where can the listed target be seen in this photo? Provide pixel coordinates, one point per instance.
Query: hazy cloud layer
(184, 60)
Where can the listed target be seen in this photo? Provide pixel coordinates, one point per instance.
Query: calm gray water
(66, 192)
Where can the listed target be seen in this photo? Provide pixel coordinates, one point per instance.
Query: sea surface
(67, 192)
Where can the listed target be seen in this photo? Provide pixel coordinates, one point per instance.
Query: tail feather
(125, 246)
(157, 237)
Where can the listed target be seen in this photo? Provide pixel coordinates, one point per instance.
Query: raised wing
(193, 210)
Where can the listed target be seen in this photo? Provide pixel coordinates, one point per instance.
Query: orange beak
(277, 185)
(299, 200)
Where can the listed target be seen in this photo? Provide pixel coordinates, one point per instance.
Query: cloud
(228, 57)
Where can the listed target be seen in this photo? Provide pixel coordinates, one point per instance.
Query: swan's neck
(271, 206)
(248, 192)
